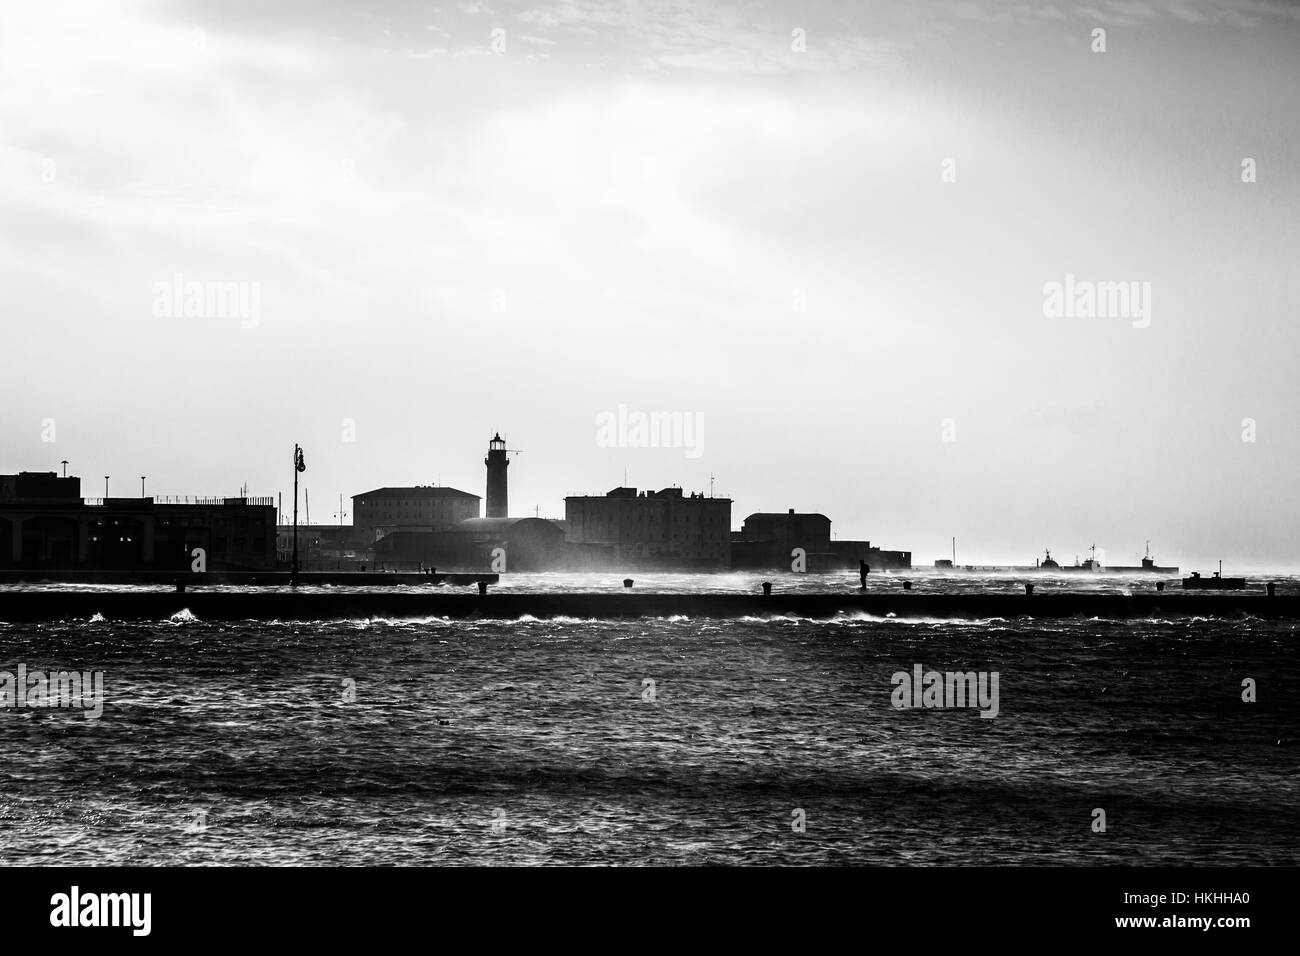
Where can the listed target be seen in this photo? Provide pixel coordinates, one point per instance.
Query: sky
(823, 234)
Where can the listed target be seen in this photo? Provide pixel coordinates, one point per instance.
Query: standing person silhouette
(863, 570)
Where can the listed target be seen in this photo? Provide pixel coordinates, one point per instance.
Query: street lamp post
(297, 467)
(106, 487)
(293, 564)
(142, 478)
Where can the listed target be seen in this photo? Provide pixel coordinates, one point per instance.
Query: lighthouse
(496, 462)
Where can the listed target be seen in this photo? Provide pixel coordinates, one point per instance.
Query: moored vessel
(1216, 583)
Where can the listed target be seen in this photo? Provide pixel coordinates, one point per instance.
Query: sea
(771, 741)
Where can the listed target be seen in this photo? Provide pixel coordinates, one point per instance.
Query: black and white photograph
(652, 453)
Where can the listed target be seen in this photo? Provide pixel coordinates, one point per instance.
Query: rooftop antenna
(710, 484)
(64, 463)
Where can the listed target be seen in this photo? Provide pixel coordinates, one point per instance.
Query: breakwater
(368, 579)
(256, 604)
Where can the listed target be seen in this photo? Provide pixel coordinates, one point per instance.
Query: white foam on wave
(891, 618)
(1192, 619)
(858, 617)
(557, 619)
(429, 621)
(183, 616)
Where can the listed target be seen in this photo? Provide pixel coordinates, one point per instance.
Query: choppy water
(233, 744)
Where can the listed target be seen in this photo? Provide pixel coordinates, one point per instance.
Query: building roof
(787, 514)
(674, 491)
(418, 491)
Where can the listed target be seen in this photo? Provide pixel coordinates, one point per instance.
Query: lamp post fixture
(106, 487)
(142, 478)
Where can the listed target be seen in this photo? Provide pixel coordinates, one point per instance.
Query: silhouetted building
(847, 554)
(425, 508)
(39, 484)
(497, 462)
(478, 544)
(653, 529)
(45, 523)
(323, 547)
(767, 540)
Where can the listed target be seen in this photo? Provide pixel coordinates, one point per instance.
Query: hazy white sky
(626, 204)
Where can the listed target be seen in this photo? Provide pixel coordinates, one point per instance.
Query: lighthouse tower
(496, 462)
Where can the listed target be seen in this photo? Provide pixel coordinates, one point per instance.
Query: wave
(891, 618)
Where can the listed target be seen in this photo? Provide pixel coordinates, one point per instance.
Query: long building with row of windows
(628, 528)
(45, 523)
(423, 508)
